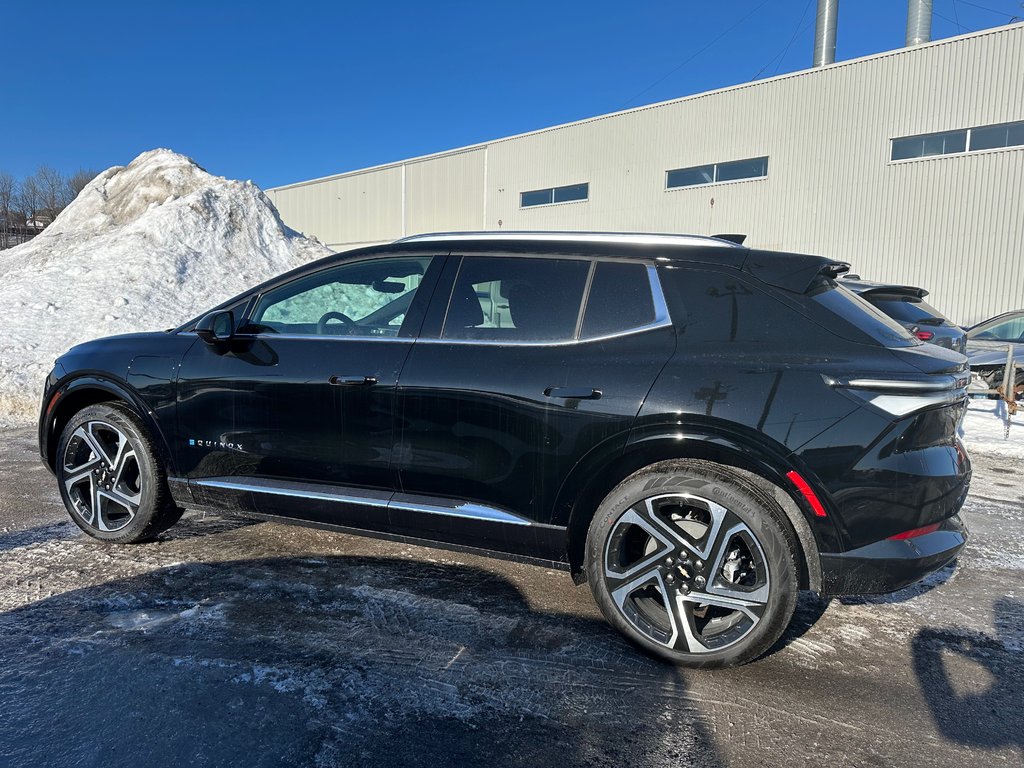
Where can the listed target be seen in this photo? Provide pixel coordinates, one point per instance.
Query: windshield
(864, 317)
(1000, 329)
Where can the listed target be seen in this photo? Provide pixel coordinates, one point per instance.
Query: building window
(736, 170)
(957, 142)
(929, 145)
(567, 194)
(997, 136)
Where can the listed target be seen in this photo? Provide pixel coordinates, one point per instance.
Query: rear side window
(721, 308)
(516, 299)
(864, 317)
(619, 301)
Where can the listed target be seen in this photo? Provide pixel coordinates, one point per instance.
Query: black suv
(695, 428)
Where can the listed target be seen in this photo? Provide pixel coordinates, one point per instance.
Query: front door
(305, 393)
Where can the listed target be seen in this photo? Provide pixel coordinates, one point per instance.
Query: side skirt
(442, 523)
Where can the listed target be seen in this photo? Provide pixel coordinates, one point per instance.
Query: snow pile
(984, 429)
(143, 247)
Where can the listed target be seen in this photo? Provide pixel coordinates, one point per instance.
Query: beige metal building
(908, 164)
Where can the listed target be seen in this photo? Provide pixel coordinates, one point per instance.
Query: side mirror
(217, 327)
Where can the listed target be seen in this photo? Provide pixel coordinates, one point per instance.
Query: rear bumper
(889, 565)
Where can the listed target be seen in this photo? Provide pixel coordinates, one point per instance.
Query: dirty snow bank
(984, 427)
(143, 247)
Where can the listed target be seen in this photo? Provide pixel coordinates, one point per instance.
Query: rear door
(527, 365)
(305, 394)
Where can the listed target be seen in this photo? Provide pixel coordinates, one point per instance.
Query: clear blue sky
(279, 92)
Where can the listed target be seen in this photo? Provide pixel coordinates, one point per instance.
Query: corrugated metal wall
(953, 224)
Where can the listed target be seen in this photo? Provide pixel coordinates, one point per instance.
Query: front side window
(516, 299)
(368, 298)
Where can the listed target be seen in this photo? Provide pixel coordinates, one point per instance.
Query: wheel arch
(81, 392)
(587, 486)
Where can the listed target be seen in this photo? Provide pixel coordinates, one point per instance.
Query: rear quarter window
(720, 308)
(869, 320)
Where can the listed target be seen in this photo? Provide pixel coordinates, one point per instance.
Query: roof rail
(634, 238)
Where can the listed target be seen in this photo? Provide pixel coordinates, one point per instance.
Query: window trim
(552, 191)
(662, 318)
(967, 144)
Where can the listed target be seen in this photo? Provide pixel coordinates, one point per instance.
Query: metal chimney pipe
(919, 22)
(825, 32)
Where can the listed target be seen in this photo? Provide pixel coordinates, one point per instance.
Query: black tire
(106, 460)
(645, 563)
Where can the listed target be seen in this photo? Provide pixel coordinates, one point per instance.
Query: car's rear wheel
(693, 563)
(111, 479)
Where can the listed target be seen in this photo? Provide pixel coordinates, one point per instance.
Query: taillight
(915, 532)
(924, 335)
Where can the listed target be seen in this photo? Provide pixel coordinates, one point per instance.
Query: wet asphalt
(232, 642)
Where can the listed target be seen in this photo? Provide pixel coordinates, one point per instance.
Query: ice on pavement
(144, 247)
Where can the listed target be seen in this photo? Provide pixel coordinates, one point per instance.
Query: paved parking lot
(231, 642)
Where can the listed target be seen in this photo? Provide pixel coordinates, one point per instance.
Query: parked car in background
(987, 345)
(906, 305)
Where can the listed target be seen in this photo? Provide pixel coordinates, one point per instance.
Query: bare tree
(78, 181)
(30, 200)
(8, 192)
(53, 190)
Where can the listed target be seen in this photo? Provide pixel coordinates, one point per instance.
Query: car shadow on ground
(991, 716)
(331, 660)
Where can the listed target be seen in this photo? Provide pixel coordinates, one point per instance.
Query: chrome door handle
(573, 393)
(351, 381)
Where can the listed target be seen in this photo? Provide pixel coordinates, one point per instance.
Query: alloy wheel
(686, 572)
(102, 476)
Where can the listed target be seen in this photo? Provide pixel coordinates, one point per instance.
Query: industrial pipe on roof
(919, 22)
(825, 32)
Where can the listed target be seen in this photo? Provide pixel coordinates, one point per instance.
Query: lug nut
(700, 582)
(670, 579)
(684, 588)
(669, 562)
(699, 565)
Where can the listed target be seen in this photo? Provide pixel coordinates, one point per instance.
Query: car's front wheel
(110, 477)
(694, 563)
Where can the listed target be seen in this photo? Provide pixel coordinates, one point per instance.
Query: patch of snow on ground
(143, 247)
(983, 429)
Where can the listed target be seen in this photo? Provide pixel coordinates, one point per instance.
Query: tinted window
(706, 174)
(516, 299)
(368, 298)
(619, 299)
(996, 136)
(720, 308)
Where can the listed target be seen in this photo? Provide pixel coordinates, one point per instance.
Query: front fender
(66, 396)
